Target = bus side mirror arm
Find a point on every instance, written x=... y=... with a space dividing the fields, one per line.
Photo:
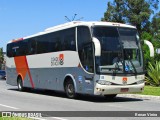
x=97 y=46
x=151 y=48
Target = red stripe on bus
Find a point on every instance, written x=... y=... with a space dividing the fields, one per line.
x=16 y=40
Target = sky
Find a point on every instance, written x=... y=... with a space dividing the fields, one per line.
x=21 y=18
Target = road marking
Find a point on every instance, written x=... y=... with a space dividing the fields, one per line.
x=8 y=106
x=58 y=118
x=35 y=118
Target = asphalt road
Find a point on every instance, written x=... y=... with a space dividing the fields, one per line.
x=37 y=100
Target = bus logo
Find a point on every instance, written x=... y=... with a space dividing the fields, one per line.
x=124 y=80
x=56 y=61
x=61 y=59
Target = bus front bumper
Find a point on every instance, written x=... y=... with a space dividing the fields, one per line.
x=117 y=89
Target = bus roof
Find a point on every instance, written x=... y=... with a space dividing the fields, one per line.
x=77 y=23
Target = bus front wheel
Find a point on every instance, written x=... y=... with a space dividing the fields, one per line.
x=70 y=89
x=20 y=84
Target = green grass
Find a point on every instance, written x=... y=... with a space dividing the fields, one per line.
x=150 y=90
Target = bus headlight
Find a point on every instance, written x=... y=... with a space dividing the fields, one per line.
x=103 y=82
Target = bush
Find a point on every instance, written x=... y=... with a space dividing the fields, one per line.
x=153 y=72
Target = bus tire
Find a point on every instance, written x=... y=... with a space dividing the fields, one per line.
x=110 y=97
x=20 y=84
x=70 y=89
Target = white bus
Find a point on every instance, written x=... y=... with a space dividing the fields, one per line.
x=96 y=58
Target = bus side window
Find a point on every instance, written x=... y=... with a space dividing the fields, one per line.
x=69 y=39
x=9 y=50
x=85 y=48
x=88 y=57
x=56 y=39
x=57 y=44
x=32 y=47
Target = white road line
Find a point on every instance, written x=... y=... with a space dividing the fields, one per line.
x=8 y=106
x=58 y=118
x=35 y=118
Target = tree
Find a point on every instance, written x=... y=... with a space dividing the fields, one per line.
x=155 y=31
x=155 y=26
x=1 y=57
x=135 y=12
x=114 y=12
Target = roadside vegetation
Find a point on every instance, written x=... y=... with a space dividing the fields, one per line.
x=153 y=74
x=1 y=57
x=152 y=79
x=150 y=90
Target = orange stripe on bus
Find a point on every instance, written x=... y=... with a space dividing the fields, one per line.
x=22 y=68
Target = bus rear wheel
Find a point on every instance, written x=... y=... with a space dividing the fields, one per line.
x=70 y=89
x=20 y=84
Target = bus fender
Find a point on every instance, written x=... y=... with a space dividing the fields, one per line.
x=20 y=75
x=73 y=79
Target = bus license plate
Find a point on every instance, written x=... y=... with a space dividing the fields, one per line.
x=124 y=89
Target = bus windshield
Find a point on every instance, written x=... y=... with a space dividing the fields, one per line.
x=120 y=49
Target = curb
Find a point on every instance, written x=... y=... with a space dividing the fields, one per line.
x=140 y=96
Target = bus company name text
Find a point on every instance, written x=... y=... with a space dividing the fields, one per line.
x=56 y=61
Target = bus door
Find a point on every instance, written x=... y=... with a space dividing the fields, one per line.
x=87 y=61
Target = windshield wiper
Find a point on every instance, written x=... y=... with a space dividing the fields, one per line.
x=116 y=68
x=133 y=66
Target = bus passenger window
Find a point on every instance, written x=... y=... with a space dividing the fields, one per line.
x=32 y=47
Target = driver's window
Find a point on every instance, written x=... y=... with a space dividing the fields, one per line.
x=85 y=48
